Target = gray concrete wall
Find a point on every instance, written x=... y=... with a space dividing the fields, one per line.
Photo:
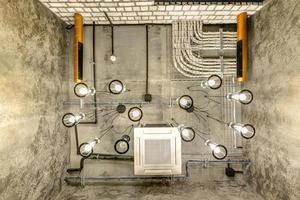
x=33 y=144
x=206 y=182
x=274 y=79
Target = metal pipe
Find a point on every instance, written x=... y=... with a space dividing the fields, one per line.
x=96 y=156
x=79 y=180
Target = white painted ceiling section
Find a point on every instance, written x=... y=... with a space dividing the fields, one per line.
x=141 y=12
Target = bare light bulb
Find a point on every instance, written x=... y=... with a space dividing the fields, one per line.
x=247 y=131
x=213 y=82
x=136 y=113
x=118 y=88
x=187 y=133
x=113 y=58
x=243 y=96
x=218 y=151
x=70 y=119
x=83 y=91
x=86 y=149
x=183 y=102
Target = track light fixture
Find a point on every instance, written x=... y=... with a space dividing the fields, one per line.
x=213 y=82
x=243 y=96
x=116 y=87
x=82 y=90
x=122 y=145
x=219 y=151
x=87 y=148
x=70 y=119
x=187 y=133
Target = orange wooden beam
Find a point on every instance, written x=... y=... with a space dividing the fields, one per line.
x=242 y=47
x=78 y=48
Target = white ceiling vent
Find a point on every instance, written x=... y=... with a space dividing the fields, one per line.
x=157 y=151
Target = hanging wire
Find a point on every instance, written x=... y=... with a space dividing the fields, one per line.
x=209 y=98
x=105 y=131
x=218 y=120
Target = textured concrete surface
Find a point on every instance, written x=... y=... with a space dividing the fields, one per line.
x=274 y=79
x=33 y=144
x=160 y=192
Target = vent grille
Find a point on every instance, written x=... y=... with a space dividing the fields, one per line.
x=157 y=152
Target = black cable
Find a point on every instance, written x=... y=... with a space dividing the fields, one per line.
x=147 y=60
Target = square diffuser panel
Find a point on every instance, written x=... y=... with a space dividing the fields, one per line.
x=157 y=151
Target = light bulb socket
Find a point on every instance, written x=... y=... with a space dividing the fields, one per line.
x=121 y=108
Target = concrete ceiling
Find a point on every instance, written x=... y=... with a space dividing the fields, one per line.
x=145 y=11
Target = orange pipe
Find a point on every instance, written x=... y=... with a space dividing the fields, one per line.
x=78 y=45
x=242 y=47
